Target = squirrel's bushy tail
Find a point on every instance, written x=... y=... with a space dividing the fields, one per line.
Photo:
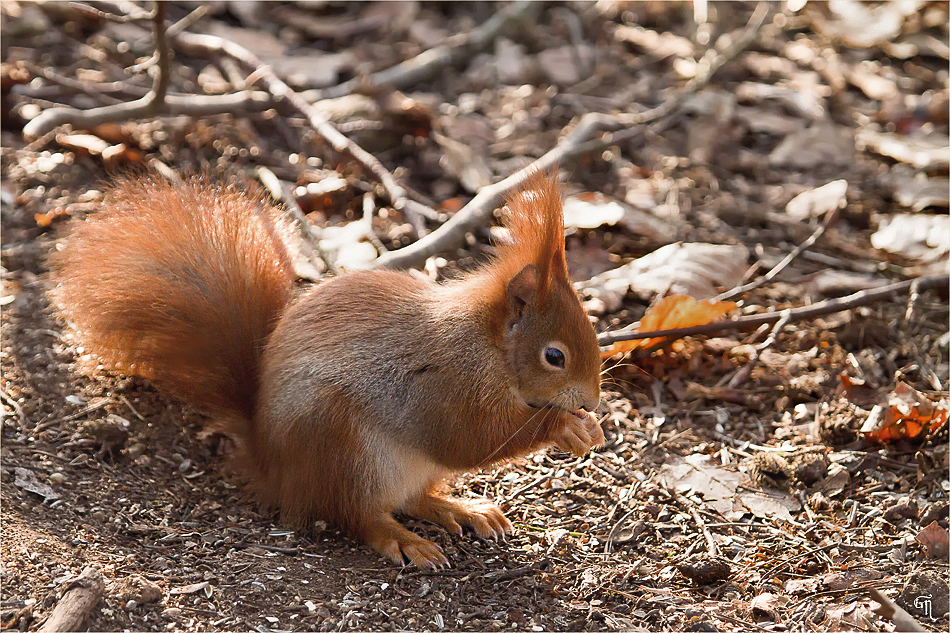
x=180 y=284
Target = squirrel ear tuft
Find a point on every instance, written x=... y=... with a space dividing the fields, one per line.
x=523 y=290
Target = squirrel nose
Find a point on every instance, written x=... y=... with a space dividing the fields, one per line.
x=591 y=402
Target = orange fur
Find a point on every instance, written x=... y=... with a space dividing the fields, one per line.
x=180 y=285
x=536 y=222
x=355 y=401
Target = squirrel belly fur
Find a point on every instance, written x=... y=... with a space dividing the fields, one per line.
x=358 y=398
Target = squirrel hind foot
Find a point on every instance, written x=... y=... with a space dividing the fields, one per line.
x=386 y=536
x=481 y=515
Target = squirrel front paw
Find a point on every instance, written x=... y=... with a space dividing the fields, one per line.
x=579 y=434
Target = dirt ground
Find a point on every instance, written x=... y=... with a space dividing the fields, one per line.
x=720 y=502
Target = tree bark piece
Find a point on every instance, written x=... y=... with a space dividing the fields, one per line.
x=79 y=598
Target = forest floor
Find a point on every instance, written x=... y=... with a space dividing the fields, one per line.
x=736 y=491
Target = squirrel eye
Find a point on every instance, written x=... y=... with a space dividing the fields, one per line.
x=554 y=357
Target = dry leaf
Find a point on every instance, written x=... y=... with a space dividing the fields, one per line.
x=566 y=65
x=347 y=245
x=935 y=541
x=464 y=162
x=821 y=144
x=842 y=580
x=802 y=585
x=916 y=191
x=188 y=589
x=27 y=479
x=696 y=269
x=316 y=69
x=861 y=24
x=816 y=202
x=914 y=236
x=673 y=312
x=43 y=220
x=908 y=414
x=766 y=606
x=930 y=152
x=720 y=489
x=848 y=617
x=591 y=210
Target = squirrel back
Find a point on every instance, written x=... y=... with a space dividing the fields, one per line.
x=180 y=284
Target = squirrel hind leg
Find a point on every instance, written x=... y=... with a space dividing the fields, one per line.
x=384 y=534
x=481 y=515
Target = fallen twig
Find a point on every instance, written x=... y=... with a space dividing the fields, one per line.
x=711 y=546
x=728 y=295
x=455 y=49
x=311 y=243
x=708 y=66
x=746 y=370
x=830 y=306
x=79 y=598
x=615 y=530
x=155 y=103
x=95 y=406
x=580 y=141
x=212 y=44
x=287 y=551
x=21 y=415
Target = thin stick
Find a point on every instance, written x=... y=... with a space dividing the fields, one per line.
x=211 y=44
x=746 y=370
x=577 y=143
x=156 y=102
x=709 y=66
x=830 y=306
x=455 y=49
x=16 y=407
x=711 y=546
x=911 y=312
x=830 y=219
x=609 y=545
x=311 y=243
x=164 y=54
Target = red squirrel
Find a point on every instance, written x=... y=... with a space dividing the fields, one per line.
x=358 y=398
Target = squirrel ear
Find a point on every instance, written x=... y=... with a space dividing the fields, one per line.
x=522 y=291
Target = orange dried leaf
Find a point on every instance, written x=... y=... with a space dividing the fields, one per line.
x=671 y=312
x=43 y=220
x=908 y=414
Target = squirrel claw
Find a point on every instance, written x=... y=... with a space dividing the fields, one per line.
x=398 y=544
x=482 y=516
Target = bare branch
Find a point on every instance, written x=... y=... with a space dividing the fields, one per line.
x=425 y=64
x=156 y=102
x=746 y=370
x=164 y=53
x=830 y=306
x=830 y=219
x=197 y=105
x=577 y=143
x=211 y=44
